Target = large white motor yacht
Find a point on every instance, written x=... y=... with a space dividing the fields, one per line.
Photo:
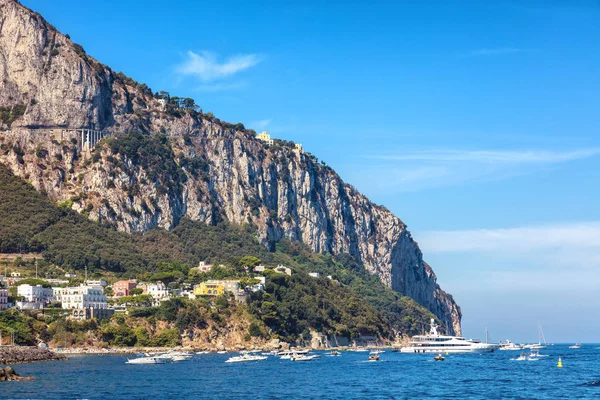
x=436 y=343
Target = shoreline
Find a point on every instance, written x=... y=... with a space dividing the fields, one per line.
x=136 y=350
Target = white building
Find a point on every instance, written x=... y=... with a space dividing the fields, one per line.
x=258 y=286
x=265 y=137
x=259 y=268
x=157 y=290
x=314 y=274
x=204 y=267
x=35 y=294
x=81 y=297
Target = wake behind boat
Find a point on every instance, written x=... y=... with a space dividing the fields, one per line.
x=436 y=343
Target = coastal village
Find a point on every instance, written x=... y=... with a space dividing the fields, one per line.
x=99 y=299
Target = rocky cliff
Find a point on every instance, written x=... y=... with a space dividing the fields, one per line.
x=181 y=162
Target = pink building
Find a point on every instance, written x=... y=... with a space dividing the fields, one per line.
x=123 y=288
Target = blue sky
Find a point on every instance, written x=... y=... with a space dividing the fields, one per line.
x=476 y=122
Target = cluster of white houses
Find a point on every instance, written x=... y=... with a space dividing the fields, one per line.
x=89 y=300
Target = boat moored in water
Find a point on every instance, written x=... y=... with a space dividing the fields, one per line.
x=246 y=357
x=147 y=360
x=508 y=346
x=304 y=357
x=434 y=342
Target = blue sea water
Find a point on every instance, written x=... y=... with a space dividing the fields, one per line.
x=350 y=376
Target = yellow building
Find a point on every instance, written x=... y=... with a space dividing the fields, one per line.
x=265 y=137
x=210 y=288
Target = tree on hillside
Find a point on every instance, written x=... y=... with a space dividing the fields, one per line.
x=249 y=262
x=34 y=282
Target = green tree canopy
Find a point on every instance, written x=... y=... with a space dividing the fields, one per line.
x=34 y=282
x=249 y=261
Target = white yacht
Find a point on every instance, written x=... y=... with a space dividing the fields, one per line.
x=436 y=343
x=246 y=357
x=508 y=345
x=576 y=346
x=147 y=360
x=288 y=354
x=304 y=357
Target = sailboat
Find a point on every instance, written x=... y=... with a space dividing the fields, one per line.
x=541 y=344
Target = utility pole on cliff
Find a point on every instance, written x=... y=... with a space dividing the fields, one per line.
x=36 y=269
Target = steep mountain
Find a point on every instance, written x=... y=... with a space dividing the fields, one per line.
x=175 y=162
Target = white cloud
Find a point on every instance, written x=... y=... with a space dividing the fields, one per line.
x=527 y=239
x=207 y=67
x=493 y=156
x=536 y=262
x=446 y=167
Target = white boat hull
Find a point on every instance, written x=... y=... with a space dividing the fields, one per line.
x=305 y=358
x=147 y=360
x=441 y=349
x=246 y=359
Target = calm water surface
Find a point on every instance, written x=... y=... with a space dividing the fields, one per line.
x=396 y=376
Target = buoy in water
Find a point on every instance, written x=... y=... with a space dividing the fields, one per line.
x=559 y=365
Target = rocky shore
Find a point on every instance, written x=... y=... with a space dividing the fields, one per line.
x=9 y=374
x=23 y=354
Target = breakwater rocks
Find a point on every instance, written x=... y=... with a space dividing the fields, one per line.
x=9 y=374
x=23 y=354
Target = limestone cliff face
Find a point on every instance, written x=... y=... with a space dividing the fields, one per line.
x=205 y=170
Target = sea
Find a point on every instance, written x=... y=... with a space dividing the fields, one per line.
x=350 y=376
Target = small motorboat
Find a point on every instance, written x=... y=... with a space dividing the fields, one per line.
x=147 y=360
x=246 y=357
x=374 y=357
x=575 y=346
x=334 y=353
x=439 y=357
x=303 y=357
